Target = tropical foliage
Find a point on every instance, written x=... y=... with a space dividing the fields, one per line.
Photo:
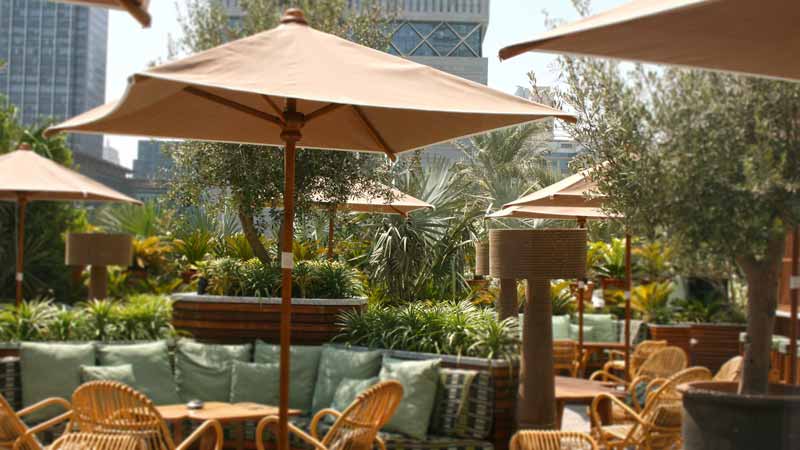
x=141 y=317
x=449 y=328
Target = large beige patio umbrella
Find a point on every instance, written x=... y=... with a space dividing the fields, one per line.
x=136 y=8
x=571 y=199
x=294 y=84
x=396 y=202
x=746 y=36
x=25 y=177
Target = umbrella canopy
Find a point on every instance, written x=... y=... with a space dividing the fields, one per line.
x=579 y=213
x=294 y=85
x=753 y=37
x=25 y=176
x=397 y=203
x=572 y=191
x=24 y=173
x=136 y=8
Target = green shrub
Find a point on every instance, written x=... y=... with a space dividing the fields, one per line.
x=310 y=279
x=450 y=328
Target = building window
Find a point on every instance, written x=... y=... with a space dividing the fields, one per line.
x=418 y=38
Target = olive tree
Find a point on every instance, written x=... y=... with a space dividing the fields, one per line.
x=706 y=160
x=250 y=177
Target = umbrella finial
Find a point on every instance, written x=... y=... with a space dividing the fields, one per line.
x=24 y=146
x=294 y=15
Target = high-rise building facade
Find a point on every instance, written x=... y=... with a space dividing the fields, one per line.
x=444 y=34
x=55 y=62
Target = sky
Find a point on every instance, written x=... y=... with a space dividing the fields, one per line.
x=132 y=48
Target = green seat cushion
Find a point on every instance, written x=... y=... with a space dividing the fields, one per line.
x=203 y=371
x=303 y=365
x=51 y=370
x=605 y=327
x=122 y=373
x=152 y=369
x=588 y=333
x=464 y=404
x=254 y=382
x=420 y=380
x=560 y=327
x=336 y=364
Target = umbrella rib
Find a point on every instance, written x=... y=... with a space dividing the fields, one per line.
x=234 y=105
x=134 y=8
x=330 y=107
x=275 y=108
x=374 y=133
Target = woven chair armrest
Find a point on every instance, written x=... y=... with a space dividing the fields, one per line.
x=605 y=376
x=47 y=424
x=636 y=382
x=380 y=442
x=614 y=354
x=318 y=417
x=595 y=414
x=198 y=433
x=293 y=429
x=52 y=401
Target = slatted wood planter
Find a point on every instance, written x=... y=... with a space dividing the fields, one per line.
x=712 y=344
x=220 y=319
x=677 y=335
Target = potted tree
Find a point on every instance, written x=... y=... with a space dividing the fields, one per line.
x=709 y=162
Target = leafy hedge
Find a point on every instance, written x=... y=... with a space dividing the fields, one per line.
x=141 y=317
x=448 y=328
x=310 y=279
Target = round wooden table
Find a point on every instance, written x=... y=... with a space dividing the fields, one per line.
x=582 y=392
x=235 y=414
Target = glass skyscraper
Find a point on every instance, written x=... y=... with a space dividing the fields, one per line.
x=55 y=62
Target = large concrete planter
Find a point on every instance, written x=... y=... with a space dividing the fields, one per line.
x=717 y=418
x=223 y=319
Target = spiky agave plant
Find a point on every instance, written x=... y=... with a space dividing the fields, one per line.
x=27 y=322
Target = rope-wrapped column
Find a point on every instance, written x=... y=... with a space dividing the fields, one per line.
x=537 y=256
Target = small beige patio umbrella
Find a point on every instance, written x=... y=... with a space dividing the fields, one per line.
x=136 y=8
x=295 y=84
x=25 y=177
x=746 y=36
x=396 y=202
x=571 y=198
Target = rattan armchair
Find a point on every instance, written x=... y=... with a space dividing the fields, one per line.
x=658 y=425
x=731 y=370
x=93 y=441
x=355 y=428
x=616 y=358
x=16 y=435
x=552 y=440
x=110 y=407
x=566 y=357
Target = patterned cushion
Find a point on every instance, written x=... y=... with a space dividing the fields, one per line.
x=464 y=405
x=400 y=442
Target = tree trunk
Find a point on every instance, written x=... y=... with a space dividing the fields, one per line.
x=253 y=237
x=763 y=277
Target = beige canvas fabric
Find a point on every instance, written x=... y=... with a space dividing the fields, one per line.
x=396 y=203
x=756 y=37
x=23 y=172
x=551 y=212
x=136 y=8
x=573 y=191
x=353 y=97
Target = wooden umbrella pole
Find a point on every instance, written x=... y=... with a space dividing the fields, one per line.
x=22 y=202
x=793 y=294
x=581 y=290
x=627 y=303
x=290 y=135
x=330 y=232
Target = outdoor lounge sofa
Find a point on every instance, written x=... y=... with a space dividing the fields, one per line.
x=461 y=417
